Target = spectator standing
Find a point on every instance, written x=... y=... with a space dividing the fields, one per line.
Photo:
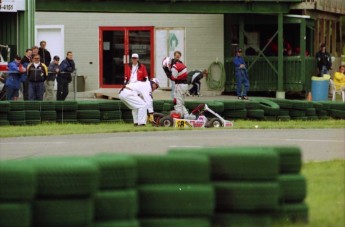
x=324 y=61
x=53 y=71
x=34 y=52
x=26 y=60
x=194 y=78
x=138 y=97
x=67 y=67
x=37 y=74
x=44 y=53
x=177 y=57
x=135 y=71
x=15 y=77
x=241 y=76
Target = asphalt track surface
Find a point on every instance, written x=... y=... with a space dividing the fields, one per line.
x=316 y=144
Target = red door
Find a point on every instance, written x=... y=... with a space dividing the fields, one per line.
x=116 y=45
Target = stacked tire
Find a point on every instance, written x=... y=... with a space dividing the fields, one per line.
x=110 y=111
x=234 y=109
x=66 y=111
x=32 y=112
x=48 y=112
x=174 y=191
x=271 y=109
x=245 y=181
x=4 y=109
x=88 y=112
x=16 y=115
x=116 y=201
x=65 y=190
x=17 y=191
x=335 y=110
x=293 y=185
x=254 y=110
x=126 y=113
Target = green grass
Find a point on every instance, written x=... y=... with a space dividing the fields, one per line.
x=46 y=129
x=325 y=194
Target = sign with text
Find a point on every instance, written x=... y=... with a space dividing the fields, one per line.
x=8 y=6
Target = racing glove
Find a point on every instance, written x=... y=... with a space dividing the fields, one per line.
x=151 y=119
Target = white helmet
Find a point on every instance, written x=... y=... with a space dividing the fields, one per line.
x=156 y=81
x=166 y=62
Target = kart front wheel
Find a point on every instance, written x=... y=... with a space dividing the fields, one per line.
x=215 y=123
x=166 y=121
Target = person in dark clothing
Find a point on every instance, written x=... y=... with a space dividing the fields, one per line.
x=44 y=53
x=324 y=61
x=241 y=76
x=26 y=60
x=194 y=78
x=14 y=79
x=67 y=67
x=53 y=70
x=37 y=73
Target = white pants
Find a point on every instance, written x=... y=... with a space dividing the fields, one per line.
x=136 y=104
x=179 y=95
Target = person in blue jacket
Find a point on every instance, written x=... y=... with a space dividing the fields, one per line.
x=15 y=78
x=241 y=75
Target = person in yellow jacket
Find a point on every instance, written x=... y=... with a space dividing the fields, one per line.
x=339 y=78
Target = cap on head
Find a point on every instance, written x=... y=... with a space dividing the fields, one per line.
x=239 y=50
x=56 y=57
x=17 y=57
x=323 y=45
x=156 y=81
x=135 y=55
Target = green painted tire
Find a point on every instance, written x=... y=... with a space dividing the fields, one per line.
x=32 y=105
x=293 y=187
x=66 y=106
x=88 y=105
x=65 y=176
x=17 y=180
x=242 y=219
x=15 y=214
x=63 y=212
x=246 y=196
x=115 y=205
x=293 y=212
x=109 y=105
x=290 y=159
x=5 y=107
x=238 y=163
x=116 y=171
x=233 y=105
x=17 y=105
x=176 y=200
x=126 y=223
x=175 y=222
x=154 y=169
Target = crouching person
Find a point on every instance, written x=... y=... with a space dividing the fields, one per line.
x=138 y=97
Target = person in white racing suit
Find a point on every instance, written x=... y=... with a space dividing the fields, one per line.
x=138 y=97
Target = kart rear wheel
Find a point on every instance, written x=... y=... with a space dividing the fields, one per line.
x=157 y=117
x=215 y=123
x=166 y=121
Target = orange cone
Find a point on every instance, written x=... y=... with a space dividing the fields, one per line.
x=309 y=98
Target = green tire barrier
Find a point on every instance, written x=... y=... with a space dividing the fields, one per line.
x=310 y=112
x=237 y=114
x=65 y=176
x=5 y=107
x=109 y=105
x=300 y=118
x=88 y=105
x=16 y=115
x=241 y=219
x=283 y=118
x=63 y=212
x=290 y=159
x=283 y=103
x=32 y=115
x=111 y=115
x=301 y=105
x=256 y=114
x=17 y=105
x=246 y=196
x=270 y=108
x=175 y=200
x=48 y=105
x=32 y=105
x=48 y=115
x=66 y=105
x=175 y=222
x=158 y=105
x=293 y=187
x=172 y=169
x=297 y=113
x=116 y=171
x=337 y=114
x=88 y=114
x=17 y=180
x=66 y=116
x=4 y=122
x=3 y=116
x=233 y=105
x=238 y=163
x=129 y=223
x=293 y=212
x=115 y=205
x=318 y=106
x=250 y=105
x=270 y=118
x=15 y=214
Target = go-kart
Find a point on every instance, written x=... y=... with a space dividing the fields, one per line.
x=196 y=119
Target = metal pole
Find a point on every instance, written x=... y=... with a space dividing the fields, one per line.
x=75 y=84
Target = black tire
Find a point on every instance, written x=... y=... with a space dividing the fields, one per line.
x=172 y=169
x=157 y=117
x=115 y=205
x=166 y=121
x=215 y=123
x=176 y=200
x=63 y=212
x=15 y=214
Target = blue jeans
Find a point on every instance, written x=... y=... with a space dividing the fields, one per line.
x=242 y=79
x=11 y=93
x=324 y=70
x=36 y=90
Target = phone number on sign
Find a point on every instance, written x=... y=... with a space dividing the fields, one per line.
x=6 y=7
